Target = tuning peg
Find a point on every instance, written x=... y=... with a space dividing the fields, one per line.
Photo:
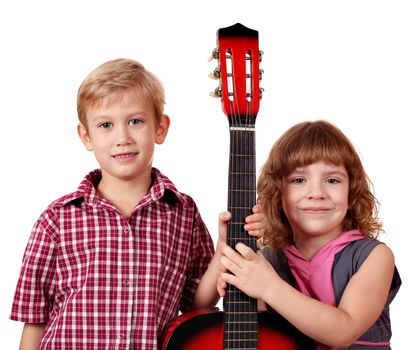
x=215 y=55
x=216 y=74
x=261 y=71
x=261 y=92
x=216 y=93
x=260 y=55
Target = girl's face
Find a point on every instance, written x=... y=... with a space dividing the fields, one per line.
x=315 y=200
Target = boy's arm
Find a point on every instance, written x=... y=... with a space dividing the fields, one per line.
x=35 y=286
x=207 y=293
x=31 y=336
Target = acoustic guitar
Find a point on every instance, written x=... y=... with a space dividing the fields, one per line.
x=239 y=326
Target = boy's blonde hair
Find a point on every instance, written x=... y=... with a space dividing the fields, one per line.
x=304 y=144
x=113 y=77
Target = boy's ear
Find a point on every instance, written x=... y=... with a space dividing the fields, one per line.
x=84 y=136
x=162 y=129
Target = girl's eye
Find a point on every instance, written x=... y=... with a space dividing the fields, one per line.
x=105 y=125
x=298 y=180
x=134 y=122
x=332 y=181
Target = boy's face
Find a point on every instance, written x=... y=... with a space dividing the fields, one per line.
x=315 y=200
x=122 y=134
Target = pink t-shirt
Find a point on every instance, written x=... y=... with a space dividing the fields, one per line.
x=314 y=277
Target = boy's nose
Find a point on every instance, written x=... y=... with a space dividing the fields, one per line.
x=122 y=137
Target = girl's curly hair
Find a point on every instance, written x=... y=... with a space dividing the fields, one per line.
x=304 y=144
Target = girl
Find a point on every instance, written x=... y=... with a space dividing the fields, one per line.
x=324 y=271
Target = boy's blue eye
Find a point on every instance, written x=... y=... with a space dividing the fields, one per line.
x=105 y=125
x=134 y=122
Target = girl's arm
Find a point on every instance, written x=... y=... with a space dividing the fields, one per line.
x=31 y=336
x=361 y=304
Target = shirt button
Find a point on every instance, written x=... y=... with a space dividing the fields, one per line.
x=126 y=230
x=122 y=336
x=125 y=282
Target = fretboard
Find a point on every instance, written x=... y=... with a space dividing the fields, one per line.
x=240 y=309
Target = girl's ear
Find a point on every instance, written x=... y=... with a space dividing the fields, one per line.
x=84 y=136
x=162 y=129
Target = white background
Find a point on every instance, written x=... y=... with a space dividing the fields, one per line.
x=345 y=61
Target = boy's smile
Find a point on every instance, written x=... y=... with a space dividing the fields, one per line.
x=125 y=156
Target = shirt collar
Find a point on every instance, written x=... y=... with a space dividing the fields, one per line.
x=161 y=187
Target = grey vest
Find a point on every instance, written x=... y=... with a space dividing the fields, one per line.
x=347 y=262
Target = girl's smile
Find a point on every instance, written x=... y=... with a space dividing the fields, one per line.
x=315 y=210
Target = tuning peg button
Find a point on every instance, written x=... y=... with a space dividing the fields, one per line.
x=216 y=74
x=260 y=55
x=216 y=93
x=215 y=55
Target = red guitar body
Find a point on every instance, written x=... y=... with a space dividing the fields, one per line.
x=240 y=326
x=204 y=330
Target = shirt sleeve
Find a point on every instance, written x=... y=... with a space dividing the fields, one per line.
x=33 y=297
x=201 y=252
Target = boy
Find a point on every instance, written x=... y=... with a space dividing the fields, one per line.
x=108 y=266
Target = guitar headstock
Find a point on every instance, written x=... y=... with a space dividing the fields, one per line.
x=238 y=71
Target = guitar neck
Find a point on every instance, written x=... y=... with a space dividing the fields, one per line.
x=239 y=75
x=241 y=183
x=240 y=309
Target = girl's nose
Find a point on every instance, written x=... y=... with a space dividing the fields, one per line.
x=316 y=190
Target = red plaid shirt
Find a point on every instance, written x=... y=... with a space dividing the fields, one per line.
x=101 y=281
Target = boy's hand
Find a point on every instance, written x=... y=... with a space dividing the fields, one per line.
x=256 y=222
x=224 y=217
x=221 y=285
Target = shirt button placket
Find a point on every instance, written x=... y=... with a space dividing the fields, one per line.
x=126 y=283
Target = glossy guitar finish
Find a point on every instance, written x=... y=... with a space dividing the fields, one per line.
x=204 y=330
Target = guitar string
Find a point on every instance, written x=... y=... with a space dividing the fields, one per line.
x=236 y=294
x=229 y=315
x=234 y=157
x=248 y=194
x=235 y=176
